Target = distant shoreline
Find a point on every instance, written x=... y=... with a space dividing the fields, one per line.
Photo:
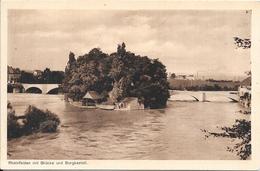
x=203 y=85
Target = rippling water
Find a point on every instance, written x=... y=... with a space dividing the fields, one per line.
x=171 y=133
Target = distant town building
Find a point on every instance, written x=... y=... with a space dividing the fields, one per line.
x=13 y=74
x=184 y=77
x=37 y=73
x=190 y=77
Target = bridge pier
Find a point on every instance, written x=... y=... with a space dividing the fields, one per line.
x=16 y=90
x=209 y=96
x=204 y=97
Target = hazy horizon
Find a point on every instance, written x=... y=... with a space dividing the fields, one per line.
x=185 y=41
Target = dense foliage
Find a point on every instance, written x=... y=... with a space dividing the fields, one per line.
x=42 y=77
x=34 y=120
x=121 y=74
x=37 y=119
x=240 y=130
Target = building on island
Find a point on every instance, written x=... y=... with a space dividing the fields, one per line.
x=92 y=98
x=129 y=103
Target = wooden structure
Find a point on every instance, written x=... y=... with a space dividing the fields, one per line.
x=92 y=98
x=129 y=103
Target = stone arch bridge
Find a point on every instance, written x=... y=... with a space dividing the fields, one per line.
x=41 y=88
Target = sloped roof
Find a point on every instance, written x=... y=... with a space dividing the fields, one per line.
x=93 y=95
x=12 y=70
x=246 y=82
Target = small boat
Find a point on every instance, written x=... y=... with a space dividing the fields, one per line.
x=79 y=105
x=105 y=107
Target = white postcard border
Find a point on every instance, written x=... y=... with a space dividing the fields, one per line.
x=134 y=5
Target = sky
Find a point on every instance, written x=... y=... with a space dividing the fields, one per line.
x=185 y=41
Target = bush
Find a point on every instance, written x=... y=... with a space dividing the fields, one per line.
x=13 y=128
x=34 y=120
x=35 y=117
x=49 y=126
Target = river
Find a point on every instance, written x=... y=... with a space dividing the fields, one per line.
x=173 y=133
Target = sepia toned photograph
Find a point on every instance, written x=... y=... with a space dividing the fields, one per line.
x=129 y=84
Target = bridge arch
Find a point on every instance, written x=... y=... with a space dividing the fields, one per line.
x=45 y=88
x=34 y=90
x=196 y=99
x=204 y=96
x=53 y=91
x=183 y=97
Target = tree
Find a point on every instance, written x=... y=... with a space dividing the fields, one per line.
x=47 y=75
x=248 y=73
x=71 y=57
x=27 y=77
x=121 y=73
x=240 y=130
x=121 y=50
x=71 y=65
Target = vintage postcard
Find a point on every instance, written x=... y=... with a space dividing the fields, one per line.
x=130 y=85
